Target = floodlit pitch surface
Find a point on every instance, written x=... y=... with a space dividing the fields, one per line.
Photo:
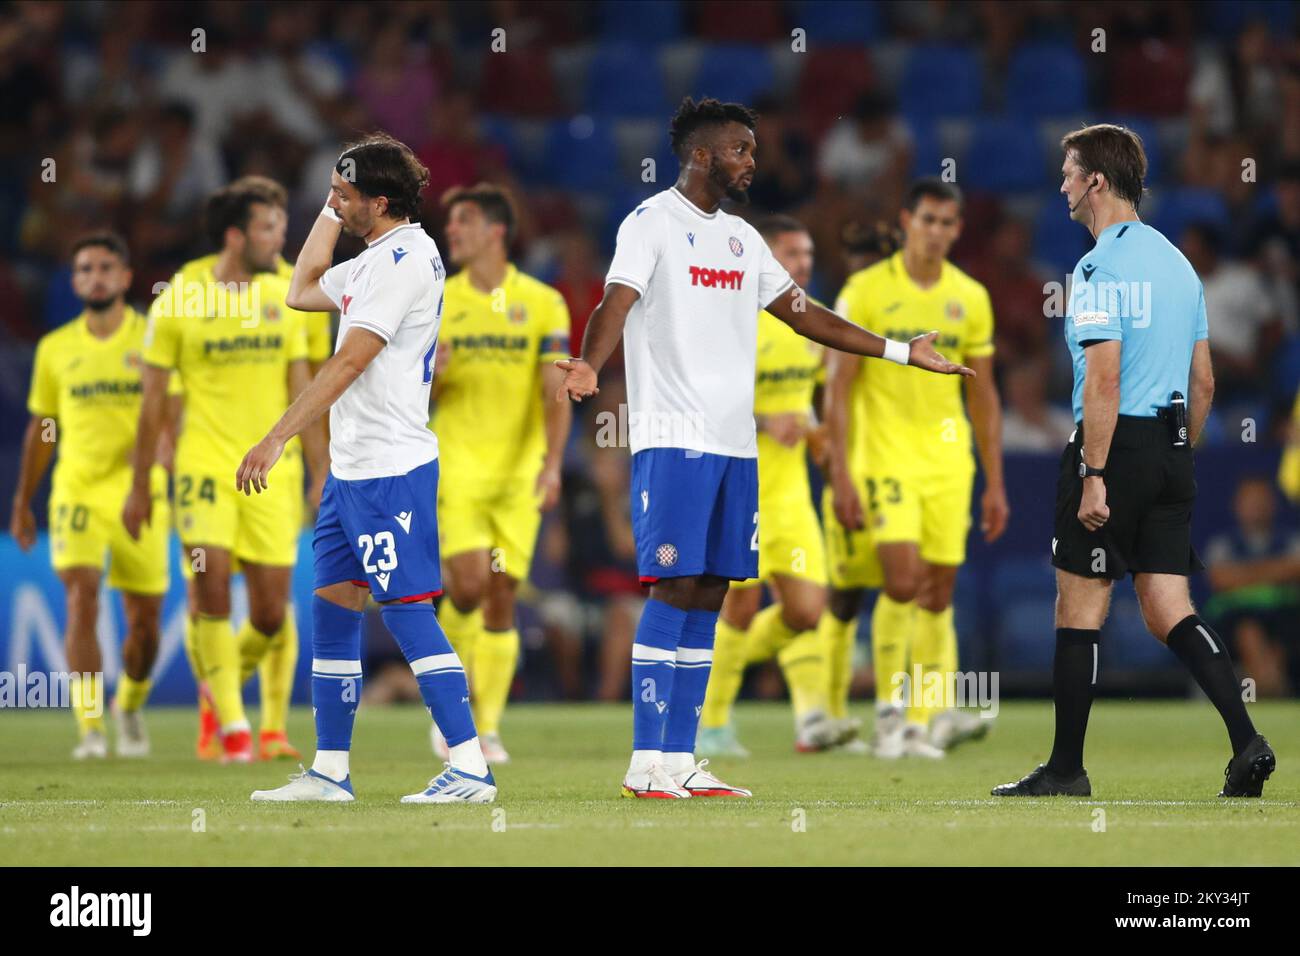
x=1155 y=768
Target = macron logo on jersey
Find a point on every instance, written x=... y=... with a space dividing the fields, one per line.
x=404 y=519
x=717 y=278
x=397 y=255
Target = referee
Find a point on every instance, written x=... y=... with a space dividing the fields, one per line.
x=1137 y=333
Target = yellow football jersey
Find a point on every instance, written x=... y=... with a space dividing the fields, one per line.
x=320 y=335
x=1288 y=474
x=91 y=387
x=788 y=369
x=488 y=415
x=232 y=350
x=912 y=420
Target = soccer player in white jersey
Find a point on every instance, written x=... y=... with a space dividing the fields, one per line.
x=684 y=291
x=378 y=526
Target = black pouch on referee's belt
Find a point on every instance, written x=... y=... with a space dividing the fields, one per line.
x=1174 y=415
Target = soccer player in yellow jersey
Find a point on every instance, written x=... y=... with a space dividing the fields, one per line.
x=901 y=469
x=242 y=357
x=84 y=400
x=275 y=661
x=501 y=438
x=792 y=557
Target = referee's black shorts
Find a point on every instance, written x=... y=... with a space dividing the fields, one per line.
x=1149 y=489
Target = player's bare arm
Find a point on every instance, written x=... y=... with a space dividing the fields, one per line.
x=153 y=409
x=1201 y=389
x=314 y=260
x=841 y=369
x=32 y=464
x=796 y=309
x=604 y=330
x=171 y=430
x=315 y=445
x=986 y=421
x=1100 y=412
x=343 y=368
x=558 y=418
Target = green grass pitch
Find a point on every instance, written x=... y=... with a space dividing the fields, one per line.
x=1155 y=767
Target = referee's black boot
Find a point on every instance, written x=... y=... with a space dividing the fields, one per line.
x=1245 y=774
x=1042 y=782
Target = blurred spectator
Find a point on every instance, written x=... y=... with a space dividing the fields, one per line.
x=1243 y=322
x=298 y=88
x=1006 y=268
x=785 y=177
x=397 y=86
x=106 y=76
x=1255 y=573
x=1276 y=243
x=215 y=82
x=454 y=152
x=869 y=152
x=1029 y=422
x=582 y=283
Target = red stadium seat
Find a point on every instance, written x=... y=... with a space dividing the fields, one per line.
x=1151 y=79
x=831 y=83
x=518 y=83
x=757 y=21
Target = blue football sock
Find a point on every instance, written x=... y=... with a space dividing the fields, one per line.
x=437 y=669
x=335 y=672
x=654 y=660
x=694 y=661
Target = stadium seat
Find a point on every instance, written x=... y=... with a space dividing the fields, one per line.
x=941 y=80
x=1225 y=18
x=1151 y=144
x=581 y=155
x=1046 y=79
x=733 y=73
x=927 y=153
x=1026 y=634
x=519 y=84
x=837 y=21
x=1023 y=577
x=1178 y=208
x=1150 y=78
x=1059 y=241
x=625 y=80
x=760 y=22
x=1004 y=156
x=831 y=82
x=658 y=22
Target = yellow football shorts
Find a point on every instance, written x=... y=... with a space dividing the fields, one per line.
x=789 y=538
x=86 y=527
x=850 y=554
x=933 y=510
x=501 y=519
x=258 y=528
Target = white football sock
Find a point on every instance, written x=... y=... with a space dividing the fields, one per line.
x=332 y=764
x=678 y=763
x=643 y=760
x=468 y=757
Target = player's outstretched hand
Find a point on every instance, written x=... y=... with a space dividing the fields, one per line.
x=253 y=470
x=137 y=511
x=579 y=380
x=22 y=525
x=923 y=355
x=548 y=488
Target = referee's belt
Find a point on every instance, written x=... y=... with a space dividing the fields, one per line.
x=1137 y=430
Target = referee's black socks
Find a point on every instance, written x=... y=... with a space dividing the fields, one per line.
x=1203 y=653
x=1074 y=677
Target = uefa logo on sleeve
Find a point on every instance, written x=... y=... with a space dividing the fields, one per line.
x=666 y=555
x=737 y=249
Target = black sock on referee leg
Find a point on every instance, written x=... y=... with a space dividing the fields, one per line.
x=1203 y=653
x=1074 y=676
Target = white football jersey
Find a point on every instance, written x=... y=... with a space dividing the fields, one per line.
x=379 y=427
x=690 y=341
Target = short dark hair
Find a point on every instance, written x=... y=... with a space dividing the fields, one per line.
x=495 y=201
x=882 y=239
x=769 y=227
x=1115 y=152
x=102 y=239
x=233 y=205
x=691 y=117
x=931 y=187
x=379 y=165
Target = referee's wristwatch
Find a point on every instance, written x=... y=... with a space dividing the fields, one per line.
x=1086 y=472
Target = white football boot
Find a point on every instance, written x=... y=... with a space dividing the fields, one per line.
x=887 y=741
x=308 y=786
x=456 y=786
x=698 y=782
x=815 y=732
x=653 y=783
x=132 y=740
x=93 y=746
x=916 y=743
x=952 y=727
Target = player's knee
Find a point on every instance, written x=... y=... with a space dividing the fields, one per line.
x=267 y=621
x=804 y=615
x=902 y=589
x=467 y=592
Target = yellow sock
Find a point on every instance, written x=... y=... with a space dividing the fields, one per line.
x=838 y=637
x=804 y=663
x=768 y=634
x=87 y=697
x=726 y=675
x=930 y=654
x=948 y=651
x=192 y=650
x=891 y=638
x=495 y=658
x=132 y=693
x=463 y=630
x=275 y=674
x=216 y=642
x=253 y=645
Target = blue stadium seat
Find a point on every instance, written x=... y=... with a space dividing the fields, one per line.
x=1225 y=18
x=927 y=153
x=1179 y=208
x=1150 y=144
x=1004 y=156
x=941 y=80
x=1023 y=577
x=1026 y=634
x=837 y=21
x=658 y=22
x=626 y=80
x=1046 y=79
x=1059 y=241
x=580 y=155
x=733 y=73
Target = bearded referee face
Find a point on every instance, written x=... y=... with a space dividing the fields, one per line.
x=731 y=161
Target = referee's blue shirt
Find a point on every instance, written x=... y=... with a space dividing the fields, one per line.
x=1137 y=288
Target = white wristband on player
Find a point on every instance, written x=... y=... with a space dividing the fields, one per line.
x=330 y=214
x=895 y=351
